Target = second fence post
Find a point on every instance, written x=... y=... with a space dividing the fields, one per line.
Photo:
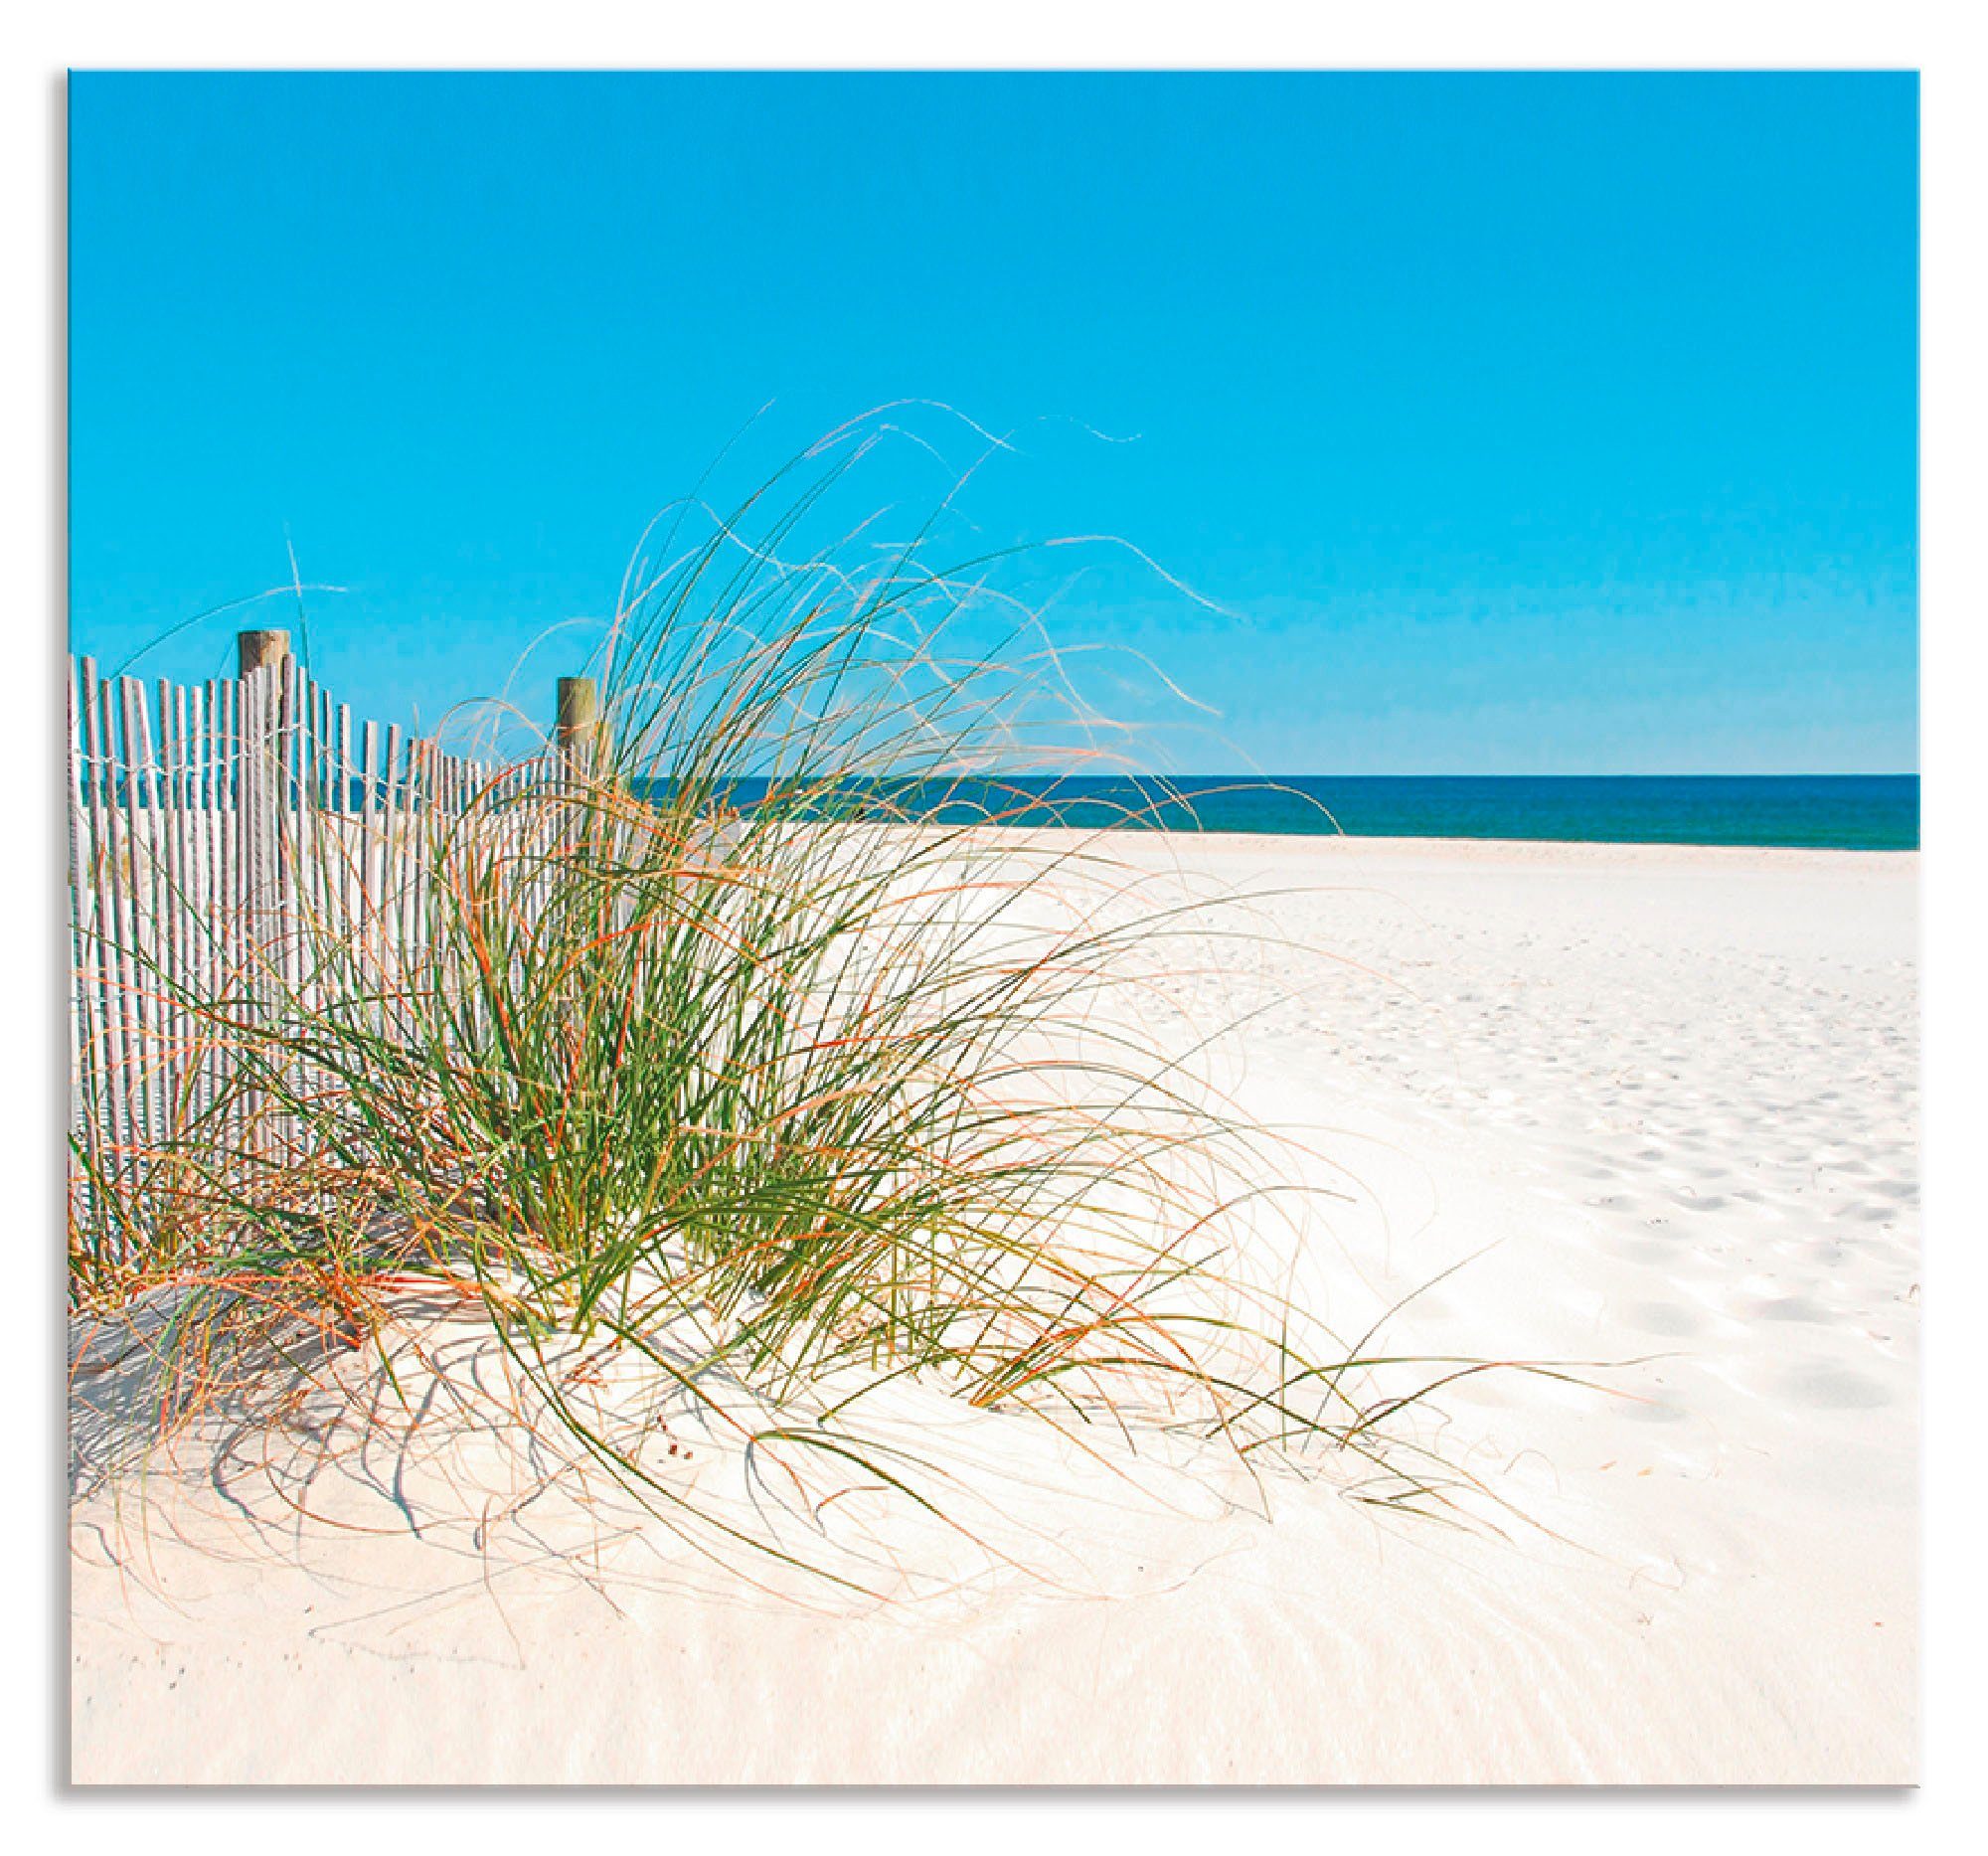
x=579 y=731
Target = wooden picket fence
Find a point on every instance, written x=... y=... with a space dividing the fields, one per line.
x=217 y=834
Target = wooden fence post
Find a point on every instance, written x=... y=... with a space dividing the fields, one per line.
x=582 y=739
x=259 y=648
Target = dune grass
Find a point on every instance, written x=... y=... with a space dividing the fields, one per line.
x=746 y=1042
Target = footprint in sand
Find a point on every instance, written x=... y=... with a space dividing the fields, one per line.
x=1832 y=1388
x=1654 y=1411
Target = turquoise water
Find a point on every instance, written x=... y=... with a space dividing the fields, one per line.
x=1865 y=812
x=1835 y=811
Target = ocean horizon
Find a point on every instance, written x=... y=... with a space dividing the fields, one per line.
x=1818 y=811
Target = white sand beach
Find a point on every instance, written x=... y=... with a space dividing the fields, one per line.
x=1664 y=1100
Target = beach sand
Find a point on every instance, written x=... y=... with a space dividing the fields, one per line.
x=1664 y=1099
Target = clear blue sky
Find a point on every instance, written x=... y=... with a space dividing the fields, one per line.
x=1530 y=423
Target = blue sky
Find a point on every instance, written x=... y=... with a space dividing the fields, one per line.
x=1560 y=424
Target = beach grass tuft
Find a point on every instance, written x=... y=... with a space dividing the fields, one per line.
x=738 y=1037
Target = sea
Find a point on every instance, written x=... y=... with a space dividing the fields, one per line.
x=1827 y=812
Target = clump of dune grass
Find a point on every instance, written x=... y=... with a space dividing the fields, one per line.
x=742 y=1041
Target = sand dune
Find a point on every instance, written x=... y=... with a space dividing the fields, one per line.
x=1665 y=1102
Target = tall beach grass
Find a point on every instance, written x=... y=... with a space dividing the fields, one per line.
x=783 y=1101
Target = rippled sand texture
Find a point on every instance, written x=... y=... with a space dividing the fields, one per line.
x=1667 y=1100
